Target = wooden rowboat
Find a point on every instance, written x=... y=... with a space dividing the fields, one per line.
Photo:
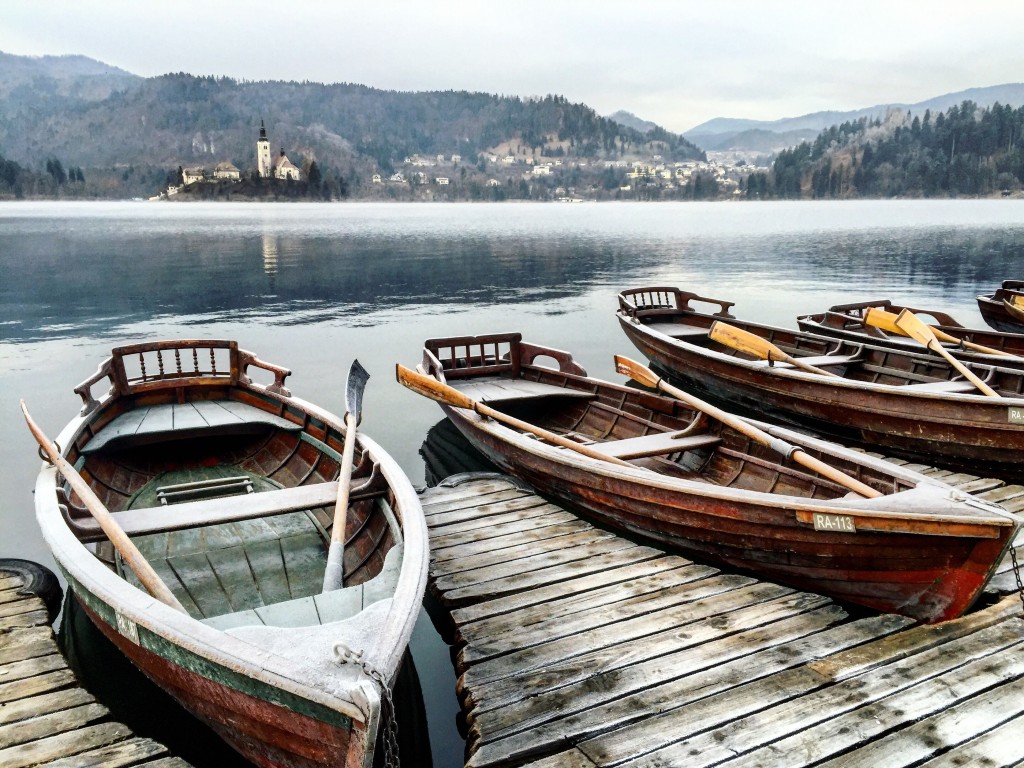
x=902 y=403
x=691 y=482
x=847 y=321
x=998 y=309
x=227 y=488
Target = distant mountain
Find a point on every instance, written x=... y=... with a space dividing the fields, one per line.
x=724 y=133
x=75 y=78
x=630 y=120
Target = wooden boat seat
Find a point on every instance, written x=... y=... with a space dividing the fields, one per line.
x=157 y=422
x=678 y=331
x=819 y=361
x=337 y=605
x=953 y=387
x=653 y=444
x=224 y=509
x=494 y=388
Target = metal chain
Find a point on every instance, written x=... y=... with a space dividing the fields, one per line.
x=388 y=716
x=1016 y=575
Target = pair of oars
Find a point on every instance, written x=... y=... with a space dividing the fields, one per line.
x=889 y=322
x=435 y=390
x=907 y=322
x=134 y=559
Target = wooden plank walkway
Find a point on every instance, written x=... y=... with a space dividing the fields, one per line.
x=575 y=647
x=45 y=717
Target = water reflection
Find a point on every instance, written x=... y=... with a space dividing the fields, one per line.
x=270 y=256
x=92 y=274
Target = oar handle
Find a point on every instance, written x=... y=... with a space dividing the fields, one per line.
x=334 y=573
x=125 y=546
x=964 y=370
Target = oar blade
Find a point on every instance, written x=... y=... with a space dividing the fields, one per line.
x=634 y=370
x=882 y=319
x=915 y=328
x=357 y=378
x=745 y=341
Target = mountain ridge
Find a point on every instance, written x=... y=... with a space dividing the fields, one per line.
x=721 y=133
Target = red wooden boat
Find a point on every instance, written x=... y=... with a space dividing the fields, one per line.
x=846 y=321
x=995 y=310
x=695 y=484
x=903 y=403
x=227 y=489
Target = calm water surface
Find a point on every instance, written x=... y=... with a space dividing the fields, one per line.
x=310 y=286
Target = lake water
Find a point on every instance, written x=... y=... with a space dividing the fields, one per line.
x=311 y=286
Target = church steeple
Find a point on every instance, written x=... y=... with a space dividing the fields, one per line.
x=263 y=153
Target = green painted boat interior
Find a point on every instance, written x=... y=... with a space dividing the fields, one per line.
x=220 y=569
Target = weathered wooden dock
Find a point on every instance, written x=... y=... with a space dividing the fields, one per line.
x=577 y=647
x=45 y=717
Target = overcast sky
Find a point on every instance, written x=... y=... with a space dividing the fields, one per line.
x=676 y=63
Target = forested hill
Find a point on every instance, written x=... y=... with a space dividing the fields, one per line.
x=154 y=124
x=963 y=151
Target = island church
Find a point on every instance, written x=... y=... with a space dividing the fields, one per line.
x=279 y=167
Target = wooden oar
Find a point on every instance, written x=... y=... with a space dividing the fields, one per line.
x=334 y=574
x=919 y=331
x=124 y=545
x=649 y=378
x=880 y=318
x=435 y=390
x=751 y=344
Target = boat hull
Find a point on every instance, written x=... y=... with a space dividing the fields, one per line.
x=967 y=433
x=265 y=733
x=931 y=578
x=995 y=314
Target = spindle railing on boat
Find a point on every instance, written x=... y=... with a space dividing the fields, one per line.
x=661 y=300
x=492 y=354
x=158 y=365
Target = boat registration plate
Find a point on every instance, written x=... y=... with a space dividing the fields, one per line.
x=1016 y=416
x=838 y=523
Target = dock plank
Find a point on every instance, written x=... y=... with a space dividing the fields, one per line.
x=45 y=716
x=540 y=598
x=63 y=745
x=581 y=551
x=949 y=727
x=999 y=746
x=51 y=724
x=135 y=751
x=43 y=704
x=965 y=665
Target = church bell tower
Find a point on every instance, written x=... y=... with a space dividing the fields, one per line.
x=263 y=153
